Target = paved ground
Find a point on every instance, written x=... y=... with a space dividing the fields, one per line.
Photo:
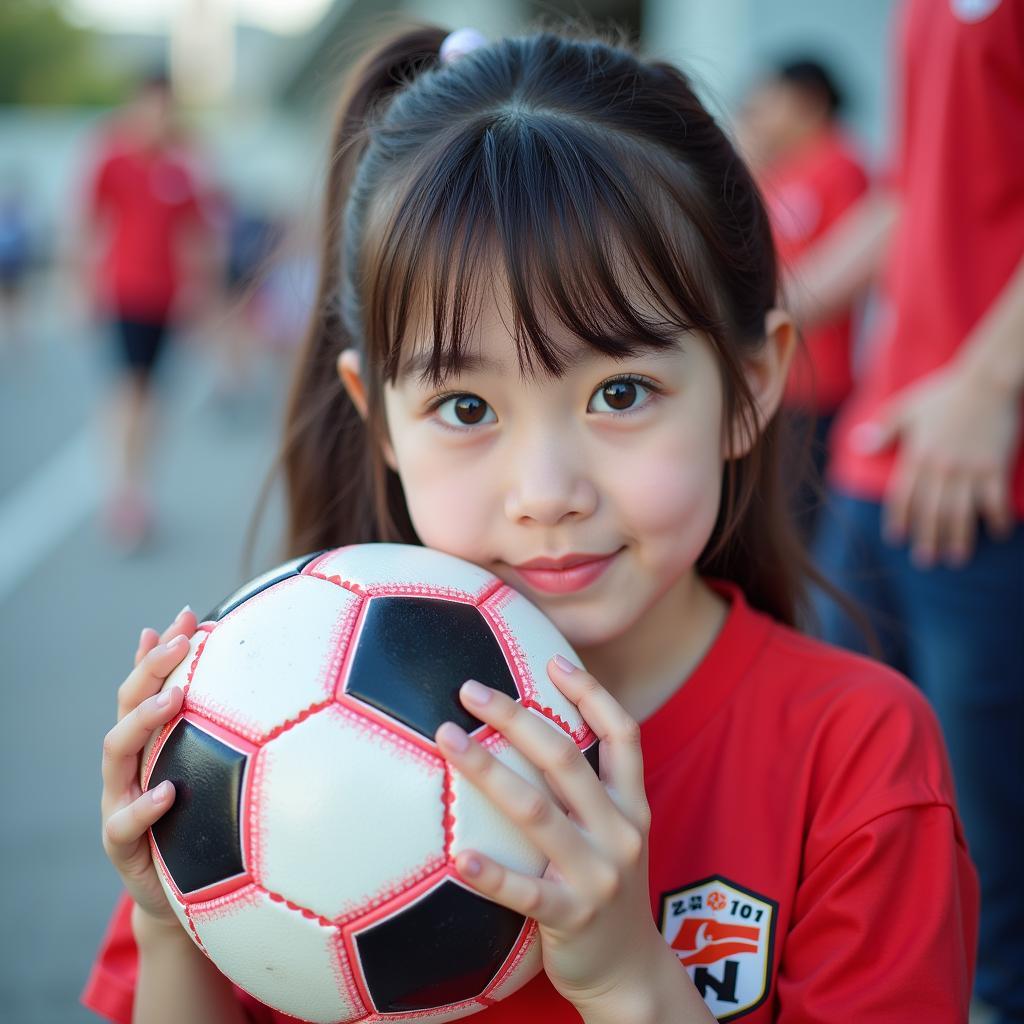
x=70 y=613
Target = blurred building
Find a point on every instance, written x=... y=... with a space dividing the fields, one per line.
x=263 y=111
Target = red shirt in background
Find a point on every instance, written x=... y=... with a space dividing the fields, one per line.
x=806 y=193
x=807 y=862
x=959 y=172
x=148 y=199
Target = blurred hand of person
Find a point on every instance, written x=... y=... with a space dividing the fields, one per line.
x=143 y=707
x=957 y=438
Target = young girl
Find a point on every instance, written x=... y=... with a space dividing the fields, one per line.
x=548 y=290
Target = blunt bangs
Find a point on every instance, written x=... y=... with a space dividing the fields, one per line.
x=528 y=201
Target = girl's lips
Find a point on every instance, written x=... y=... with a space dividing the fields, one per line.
x=566 y=581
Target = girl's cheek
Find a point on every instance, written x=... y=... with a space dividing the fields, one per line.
x=673 y=501
x=447 y=501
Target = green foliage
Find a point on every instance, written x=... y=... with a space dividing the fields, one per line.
x=45 y=59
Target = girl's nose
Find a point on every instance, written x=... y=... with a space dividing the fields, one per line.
x=548 y=484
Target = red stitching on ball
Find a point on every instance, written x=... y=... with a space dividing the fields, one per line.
x=301 y=717
x=581 y=736
x=192 y=926
x=379 y=730
x=432 y=866
x=311 y=915
x=448 y=818
x=257 y=841
x=489 y=591
x=350 y=585
x=517 y=660
x=195 y=660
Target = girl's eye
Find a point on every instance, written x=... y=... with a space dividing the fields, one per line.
x=459 y=411
x=468 y=410
x=620 y=394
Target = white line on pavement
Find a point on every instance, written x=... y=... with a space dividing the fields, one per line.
x=40 y=513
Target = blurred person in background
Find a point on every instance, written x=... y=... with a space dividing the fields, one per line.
x=15 y=260
x=149 y=249
x=252 y=239
x=925 y=522
x=810 y=175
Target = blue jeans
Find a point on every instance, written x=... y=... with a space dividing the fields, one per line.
x=959 y=635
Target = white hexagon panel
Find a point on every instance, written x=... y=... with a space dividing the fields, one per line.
x=287 y=959
x=274 y=656
x=325 y=786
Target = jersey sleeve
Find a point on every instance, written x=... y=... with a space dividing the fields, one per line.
x=884 y=927
x=885 y=915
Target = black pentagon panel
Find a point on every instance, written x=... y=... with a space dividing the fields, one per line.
x=281 y=572
x=593 y=757
x=413 y=655
x=442 y=949
x=199 y=836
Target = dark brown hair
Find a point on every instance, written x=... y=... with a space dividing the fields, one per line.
x=605 y=194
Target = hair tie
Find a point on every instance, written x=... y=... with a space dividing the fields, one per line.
x=460 y=42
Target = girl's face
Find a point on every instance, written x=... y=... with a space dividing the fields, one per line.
x=620 y=457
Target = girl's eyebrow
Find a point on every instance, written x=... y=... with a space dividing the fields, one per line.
x=419 y=364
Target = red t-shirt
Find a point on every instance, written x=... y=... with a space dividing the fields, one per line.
x=958 y=167
x=149 y=198
x=806 y=859
x=806 y=193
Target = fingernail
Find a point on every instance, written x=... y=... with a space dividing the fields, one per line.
x=161 y=793
x=471 y=867
x=475 y=693
x=187 y=608
x=564 y=664
x=163 y=698
x=176 y=641
x=142 y=635
x=451 y=736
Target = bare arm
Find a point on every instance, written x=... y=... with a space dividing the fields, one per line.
x=663 y=994
x=841 y=265
x=176 y=981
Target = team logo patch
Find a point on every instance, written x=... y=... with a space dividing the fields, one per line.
x=723 y=935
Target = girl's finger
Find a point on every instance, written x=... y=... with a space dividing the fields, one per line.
x=150 y=674
x=994 y=501
x=622 y=763
x=148 y=639
x=555 y=754
x=123 y=744
x=184 y=622
x=957 y=542
x=898 y=500
x=126 y=826
x=929 y=515
x=534 y=812
x=533 y=897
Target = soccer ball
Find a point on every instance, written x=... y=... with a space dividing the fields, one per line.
x=310 y=849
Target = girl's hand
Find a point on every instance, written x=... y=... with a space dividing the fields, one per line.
x=592 y=903
x=956 y=444
x=126 y=812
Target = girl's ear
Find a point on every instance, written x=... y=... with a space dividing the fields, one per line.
x=766 y=372
x=350 y=373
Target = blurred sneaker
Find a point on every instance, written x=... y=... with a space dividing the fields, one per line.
x=128 y=520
